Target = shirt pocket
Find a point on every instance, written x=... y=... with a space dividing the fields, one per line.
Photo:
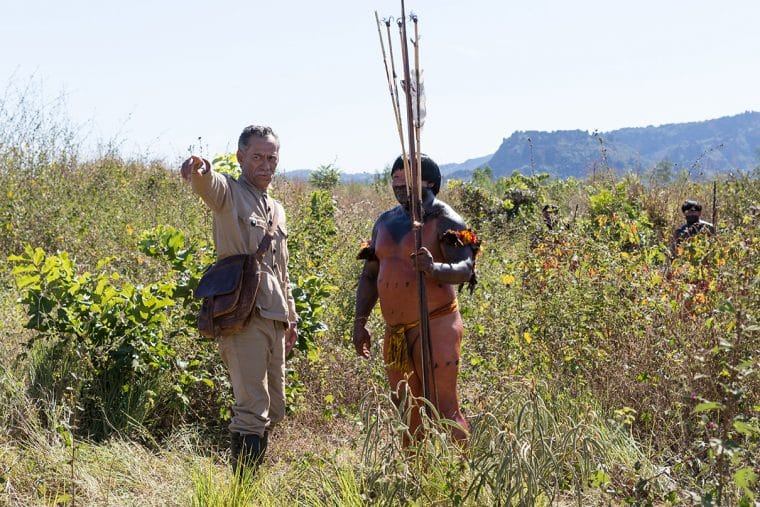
x=257 y=227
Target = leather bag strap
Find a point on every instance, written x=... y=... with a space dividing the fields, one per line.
x=266 y=241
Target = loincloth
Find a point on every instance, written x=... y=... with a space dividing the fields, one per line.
x=398 y=354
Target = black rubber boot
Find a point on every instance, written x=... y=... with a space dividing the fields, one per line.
x=264 y=443
x=236 y=443
x=252 y=448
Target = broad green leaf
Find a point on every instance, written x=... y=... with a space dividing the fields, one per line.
x=28 y=281
x=23 y=268
x=746 y=429
x=102 y=282
x=707 y=407
x=53 y=275
x=745 y=478
x=38 y=256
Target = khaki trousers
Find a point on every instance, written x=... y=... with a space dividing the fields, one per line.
x=255 y=360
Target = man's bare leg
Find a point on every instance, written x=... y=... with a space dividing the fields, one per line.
x=446 y=338
x=398 y=381
x=446 y=333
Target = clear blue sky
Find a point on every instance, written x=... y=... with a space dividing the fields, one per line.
x=156 y=75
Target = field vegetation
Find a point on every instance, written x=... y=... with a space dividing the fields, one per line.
x=597 y=370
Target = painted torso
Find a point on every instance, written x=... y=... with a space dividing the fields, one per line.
x=397 y=278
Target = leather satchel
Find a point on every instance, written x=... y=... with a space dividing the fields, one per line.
x=228 y=289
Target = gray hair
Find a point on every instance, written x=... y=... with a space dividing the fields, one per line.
x=255 y=131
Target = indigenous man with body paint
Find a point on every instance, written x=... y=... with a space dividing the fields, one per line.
x=446 y=258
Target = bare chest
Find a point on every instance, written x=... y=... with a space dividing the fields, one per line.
x=397 y=240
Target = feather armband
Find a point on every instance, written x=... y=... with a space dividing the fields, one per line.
x=462 y=238
x=367 y=252
x=465 y=237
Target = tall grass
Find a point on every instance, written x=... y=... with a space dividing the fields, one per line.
x=34 y=129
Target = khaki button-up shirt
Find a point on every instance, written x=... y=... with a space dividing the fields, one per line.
x=242 y=213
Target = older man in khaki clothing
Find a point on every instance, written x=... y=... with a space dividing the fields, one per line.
x=255 y=358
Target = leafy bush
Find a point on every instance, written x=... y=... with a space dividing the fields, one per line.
x=495 y=203
x=227 y=164
x=103 y=344
x=325 y=177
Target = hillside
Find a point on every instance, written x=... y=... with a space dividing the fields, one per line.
x=461 y=170
x=704 y=148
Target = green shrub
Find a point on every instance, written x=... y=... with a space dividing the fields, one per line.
x=325 y=177
x=103 y=344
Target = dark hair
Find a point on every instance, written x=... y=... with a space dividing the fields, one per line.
x=689 y=205
x=255 y=131
x=430 y=171
x=551 y=208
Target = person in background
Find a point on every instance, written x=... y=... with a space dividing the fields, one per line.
x=692 y=212
x=551 y=232
x=550 y=214
x=243 y=212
